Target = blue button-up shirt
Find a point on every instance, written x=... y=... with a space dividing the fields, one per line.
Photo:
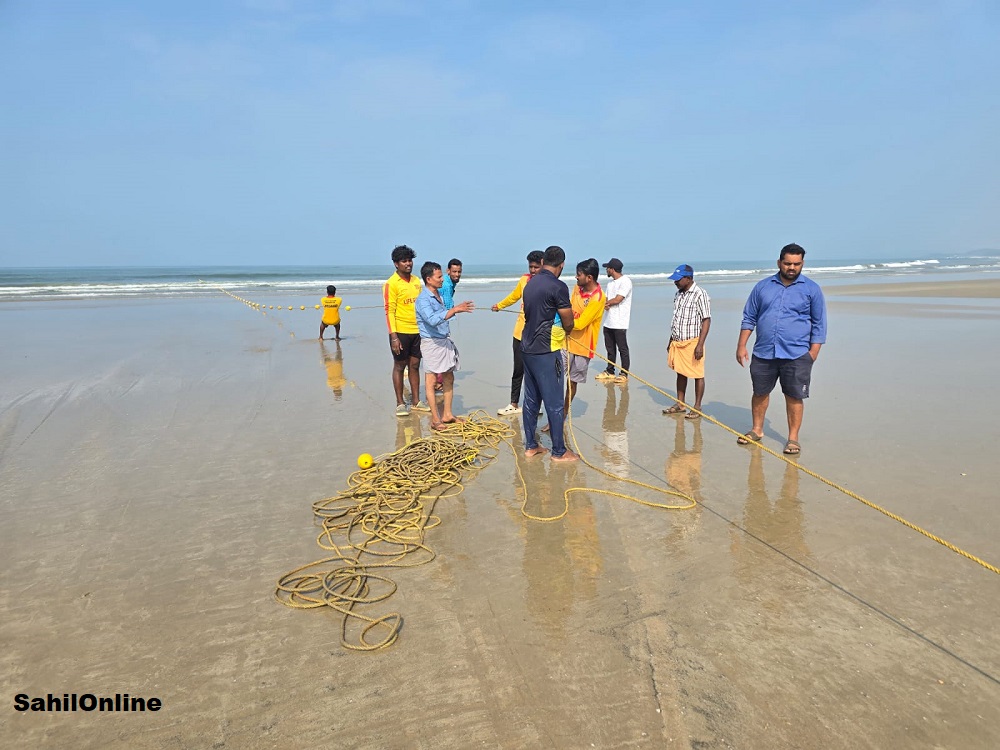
x=788 y=319
x=430 y=311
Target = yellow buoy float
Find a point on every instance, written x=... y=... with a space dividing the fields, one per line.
x=365 y=460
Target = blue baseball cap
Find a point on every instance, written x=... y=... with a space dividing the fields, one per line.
x=681 y=271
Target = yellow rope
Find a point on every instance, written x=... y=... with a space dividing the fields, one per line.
x=690 y=502
x=380 y=522
x=814 y=475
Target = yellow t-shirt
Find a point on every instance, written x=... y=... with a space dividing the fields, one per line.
x=399 y=297
x=331 y=310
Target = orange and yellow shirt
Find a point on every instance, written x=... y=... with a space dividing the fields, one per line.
x=588 y=312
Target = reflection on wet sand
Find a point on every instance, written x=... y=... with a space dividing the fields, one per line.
x=562 y=560
x=615 y=446
x=780 y=524
x=408 y=429
x=682 y=470
x=334 y=364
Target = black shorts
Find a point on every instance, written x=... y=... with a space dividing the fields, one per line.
x=794 y=375
x=410 y=343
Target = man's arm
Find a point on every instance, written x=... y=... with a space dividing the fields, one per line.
x=619 y=298
x=699 y=348
x=461 y=307
x=511 y=298
x=389 y=297
x=741 y=347
x=750 y=310
x=817 y=311
x=566 y=318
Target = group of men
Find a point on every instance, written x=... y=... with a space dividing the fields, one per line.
x=556 y=335
x=417 y=314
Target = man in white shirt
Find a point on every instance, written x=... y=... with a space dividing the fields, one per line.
x=618 y=309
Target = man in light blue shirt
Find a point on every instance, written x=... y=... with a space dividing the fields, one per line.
x=789 y=314
x=437 y=350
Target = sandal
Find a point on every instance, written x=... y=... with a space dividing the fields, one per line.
x=749 y=437
x=692 y=415
x=792 y=448
x=675 y=409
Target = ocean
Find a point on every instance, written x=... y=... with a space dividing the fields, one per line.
x=268 y=282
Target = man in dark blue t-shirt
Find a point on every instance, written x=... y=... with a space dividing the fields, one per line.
x=545 y=297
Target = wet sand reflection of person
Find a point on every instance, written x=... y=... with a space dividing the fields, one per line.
x=780 y=523
x=682 y=470
x=407 y=430
x=615 y=447
x=334 y=364
x=562 y=559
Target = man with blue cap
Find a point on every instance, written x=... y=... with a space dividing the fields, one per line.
x=688 y=331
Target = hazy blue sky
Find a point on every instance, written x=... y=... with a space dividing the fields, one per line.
x=277 y=131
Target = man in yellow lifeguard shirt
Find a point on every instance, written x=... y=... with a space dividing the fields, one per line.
x=534 y=263
x=587 y=300
x=399 y=293
x=331 y=312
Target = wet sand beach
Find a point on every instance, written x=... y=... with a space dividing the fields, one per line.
x=159 y=460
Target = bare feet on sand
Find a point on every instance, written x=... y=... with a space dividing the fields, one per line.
x=567 y=456
x=535 y=451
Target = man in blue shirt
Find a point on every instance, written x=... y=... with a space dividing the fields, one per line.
x=545 y=297
x=438 y=351
x=789 y=314
x=451 y=280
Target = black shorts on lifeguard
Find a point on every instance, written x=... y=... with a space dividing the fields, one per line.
x=410 y=343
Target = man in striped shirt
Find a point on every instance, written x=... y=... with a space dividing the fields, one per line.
x=688 y=331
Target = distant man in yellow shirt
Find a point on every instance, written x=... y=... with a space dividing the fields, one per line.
x=331 y=312
x=534 y=263
x=399 y=293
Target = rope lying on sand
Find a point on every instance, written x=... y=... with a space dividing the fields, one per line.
x=829 y=482
x=380 y=522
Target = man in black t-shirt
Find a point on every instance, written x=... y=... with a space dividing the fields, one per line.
x=545 y=297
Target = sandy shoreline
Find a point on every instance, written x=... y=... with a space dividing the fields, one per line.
x=159 y=461
x=966 y=289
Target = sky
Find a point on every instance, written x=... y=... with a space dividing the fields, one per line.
x=308 y=132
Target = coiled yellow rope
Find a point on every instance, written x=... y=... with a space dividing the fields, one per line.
x=380 y=522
